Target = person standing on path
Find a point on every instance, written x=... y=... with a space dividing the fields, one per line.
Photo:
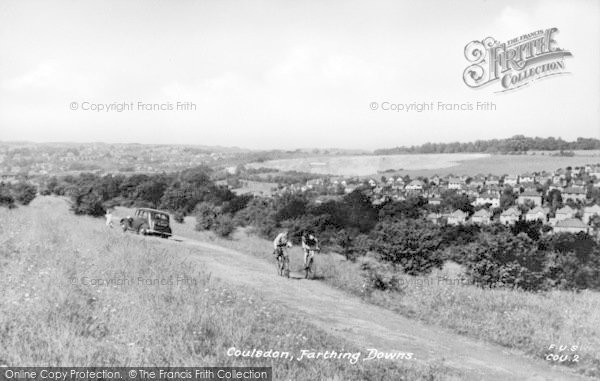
x=108 y=216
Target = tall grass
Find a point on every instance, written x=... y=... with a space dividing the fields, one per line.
x=51 y=315
x=529 y=322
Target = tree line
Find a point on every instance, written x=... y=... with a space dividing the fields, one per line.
x=515 y=144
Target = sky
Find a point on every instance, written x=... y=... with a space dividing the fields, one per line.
x=284 y=74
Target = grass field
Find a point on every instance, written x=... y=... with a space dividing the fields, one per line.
x=432 y=164
x=525 y=321
x=78 y=294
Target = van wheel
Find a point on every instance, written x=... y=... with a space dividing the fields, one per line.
x=143 y=230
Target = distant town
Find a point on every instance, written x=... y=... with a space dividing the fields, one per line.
x=566 y=200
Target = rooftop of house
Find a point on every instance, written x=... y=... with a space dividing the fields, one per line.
x=458 y=214
x=511 y=212
x=573 y=190
x=482 y=213
x=488 y=195
x=538 y=209
x=592 y=209
x=530 y=193
x=571 y=223
x=565 y=210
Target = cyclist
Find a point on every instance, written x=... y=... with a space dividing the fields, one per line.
x=309 y=242
x=280 y=242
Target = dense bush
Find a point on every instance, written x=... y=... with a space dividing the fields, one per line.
x=411 y=244
x=21 y=192
x=24 y=193
x=6 y=199
x=175 y=192
x=351 y=244
x=573 y=261
x=379 y=275
x=206 y=215
x=89 y=203
x=505 y=260
x=223 y=225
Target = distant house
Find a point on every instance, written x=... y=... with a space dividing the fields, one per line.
x=471 y=190
x=559 y=179
x=415 y=186
x=435 y=201
x=487 y=198
x=554 y=185
x=492 y=180
x=8 y=178
x=571 y=225
x=477 y=181
x=527 y=178
x=595 y=171
x=434 y=218
x=574 y=194
x=457 y=217
x=455 y=183
x=380 y=201
x=564 y=213
x=372 y=183
x=314 y=183
x=511 y=180
x=589 y=212
x=399 y=197
x=482 y=217
x=494 y=189
x=530 y=196
x=537 y=213
x=435 y=180
x=544 y=179
x=510 y=216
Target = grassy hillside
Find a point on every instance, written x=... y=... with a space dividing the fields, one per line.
x=530 y=322
x=77 y=293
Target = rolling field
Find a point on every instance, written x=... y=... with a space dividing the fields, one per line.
x=431 y=164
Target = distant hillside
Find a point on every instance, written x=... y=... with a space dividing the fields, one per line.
x=517 y=143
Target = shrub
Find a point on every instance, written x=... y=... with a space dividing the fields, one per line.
x=206 y=214
x=351 y=245
x=223 y=225
x=88 y=203
x=260 y=214
x=504 y=260
x=6 y=199
x=411 y=244
x=378 y=275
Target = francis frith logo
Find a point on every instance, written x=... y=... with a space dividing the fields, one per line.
x=515 y=63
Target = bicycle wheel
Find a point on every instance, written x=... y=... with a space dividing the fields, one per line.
x=309 y=269
x=278 y=266
x=286 y=266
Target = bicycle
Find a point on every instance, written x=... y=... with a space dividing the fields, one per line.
x=310 y=264
x=282 y=262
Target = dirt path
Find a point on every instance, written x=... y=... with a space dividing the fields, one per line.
x=369 y=326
